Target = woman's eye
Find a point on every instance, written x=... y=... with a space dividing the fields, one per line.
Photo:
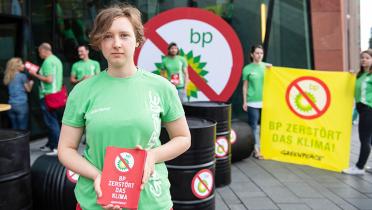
x=107 y=36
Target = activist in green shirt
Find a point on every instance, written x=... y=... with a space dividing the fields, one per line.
x=253 y=79
x=363 y=99
x=122 y=107
x=84 y=68
x=174 y=67
x=52 y=67
x=50 y=76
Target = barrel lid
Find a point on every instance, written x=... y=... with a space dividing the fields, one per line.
x=10 y=134
x=206 y=104
x=195 y=122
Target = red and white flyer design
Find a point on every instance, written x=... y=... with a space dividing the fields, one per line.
x=122 y=177
x=32 y=68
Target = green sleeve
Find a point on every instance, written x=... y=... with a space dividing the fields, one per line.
x=246 y=72
x=172 y=106
x=73 y=69
x=97 y=68
x=76 y=107
x=49 y=68
x=184 y=61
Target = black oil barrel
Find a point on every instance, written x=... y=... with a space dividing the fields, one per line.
x=214 y=111
x=221 y=114
x=242 y=140
x=223 y=160
x=192 y=174
x=51 y=189
x=15 y=179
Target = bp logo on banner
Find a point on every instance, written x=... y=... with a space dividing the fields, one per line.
x=124 y=162
x=210 y=46
x=308 y=97
x=306 y=117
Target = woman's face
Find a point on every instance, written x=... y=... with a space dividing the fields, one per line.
x=257 y=55
x=119 y=42
x=365 y=60
x=21 y=66
x=173 y=50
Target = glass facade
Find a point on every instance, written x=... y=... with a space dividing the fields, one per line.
x=282 y=26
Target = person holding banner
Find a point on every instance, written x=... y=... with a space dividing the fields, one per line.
x=174 y=67
x=253 y=79
x=363 y=98
x=18 y=86
x=122 y=107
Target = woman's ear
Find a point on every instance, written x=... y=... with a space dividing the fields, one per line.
x=137 y=44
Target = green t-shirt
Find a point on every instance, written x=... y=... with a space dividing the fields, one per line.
x=83 y=68
x=123 y=112
x=363 y=89
x=174 y=67
x=254 y=73
x=51 y=66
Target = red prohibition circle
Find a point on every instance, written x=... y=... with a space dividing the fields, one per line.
x=233 y=136
x=294 y=84
x=225 y=150
x=197 y=176
x=213 y=20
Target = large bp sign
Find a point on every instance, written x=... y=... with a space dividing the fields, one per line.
x=210 y=46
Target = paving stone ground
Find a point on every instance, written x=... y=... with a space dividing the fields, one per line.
x=265 y=184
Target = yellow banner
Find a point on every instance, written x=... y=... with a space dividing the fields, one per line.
x=307 y=117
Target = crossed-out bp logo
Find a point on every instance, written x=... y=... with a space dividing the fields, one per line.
x=308 y=97
x=124 y=162
x=233 y=136
x=222 y=146
x=202 y=183
x=210 y=46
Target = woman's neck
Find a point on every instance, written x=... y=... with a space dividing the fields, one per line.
x=366 y=68
x=256 y=62
x=122 y=71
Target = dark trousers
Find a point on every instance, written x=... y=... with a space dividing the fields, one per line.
x=365 y=133
x=52 y=123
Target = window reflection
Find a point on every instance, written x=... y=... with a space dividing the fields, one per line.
x=12 y=7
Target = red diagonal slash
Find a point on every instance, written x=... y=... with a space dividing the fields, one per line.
x=214 y=21
x=307 y=98
x=203 y=183
x=194 y=77
x=221 y=147
x=125 y=162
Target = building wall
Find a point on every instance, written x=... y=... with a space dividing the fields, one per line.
x=335 y=30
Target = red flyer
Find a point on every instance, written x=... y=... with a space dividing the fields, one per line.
x=122 y=177
x=175 y=79
x=32 y=68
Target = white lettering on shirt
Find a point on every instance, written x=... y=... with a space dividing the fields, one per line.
x=155 y=110
x=94 y=111
x=154 y=180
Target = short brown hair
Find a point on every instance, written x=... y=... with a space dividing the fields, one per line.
x=45 y=46
x=104 y=20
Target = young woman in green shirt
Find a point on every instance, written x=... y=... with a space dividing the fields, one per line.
x=363 y=98
x=123 y=107
x=253 y=78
